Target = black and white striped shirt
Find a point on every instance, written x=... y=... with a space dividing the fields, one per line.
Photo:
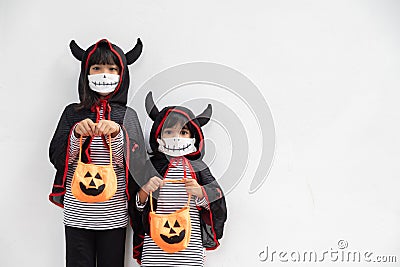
x=106 y=215
x=172 y=197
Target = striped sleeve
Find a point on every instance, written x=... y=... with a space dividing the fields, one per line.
x=117 y=143
x=139 y=205
x=202 y=202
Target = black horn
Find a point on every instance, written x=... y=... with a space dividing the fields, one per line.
x=204 y=117
x=76 y=50
x=151 y=108
x=134 y=54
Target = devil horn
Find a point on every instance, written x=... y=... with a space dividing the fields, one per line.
x=134 y=54
x=204 y=117
x=76 y=50
x=151 y=108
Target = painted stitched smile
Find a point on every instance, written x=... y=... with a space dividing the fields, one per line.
x=177 y=149
x=104 y=83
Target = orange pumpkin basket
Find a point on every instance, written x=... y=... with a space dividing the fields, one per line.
x=94 y=183
x=171 y=232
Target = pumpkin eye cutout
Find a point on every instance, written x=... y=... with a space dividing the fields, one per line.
x=92 y=186
x=171 y=235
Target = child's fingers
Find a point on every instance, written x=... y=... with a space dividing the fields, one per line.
x=106 y=127
x=159 y=182
x=190 y=182
x=90 y=126
x=154 y=183
x=103 y=127
x=78 y=130
x=97 y=129
x=83 y=128
x=152 y=188
x=192 y=187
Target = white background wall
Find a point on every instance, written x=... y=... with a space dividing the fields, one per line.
x=329 y=71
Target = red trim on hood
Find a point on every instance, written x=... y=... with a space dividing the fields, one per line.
x=118 y=56
x=190 y=120
x=192 y=172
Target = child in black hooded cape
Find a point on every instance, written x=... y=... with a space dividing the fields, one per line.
x=208 y=214
x=86 y=220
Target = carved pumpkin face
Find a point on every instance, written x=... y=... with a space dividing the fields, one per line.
x=92 y=186
x=172 y=234
x=94 y=183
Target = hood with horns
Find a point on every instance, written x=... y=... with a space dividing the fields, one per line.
x=194 y=124
x=120 y=94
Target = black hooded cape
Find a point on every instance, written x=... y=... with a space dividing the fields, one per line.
x=212 y=220
x=115 y=109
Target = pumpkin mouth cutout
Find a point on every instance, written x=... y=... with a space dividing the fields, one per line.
x=173 y=238
x=93 y=188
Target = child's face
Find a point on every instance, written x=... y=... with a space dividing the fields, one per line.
x=106 y=68
x=176 y=131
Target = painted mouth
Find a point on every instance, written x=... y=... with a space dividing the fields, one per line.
x=177 y=149
x=92 y=191
x=104 y=83
x=174 y=239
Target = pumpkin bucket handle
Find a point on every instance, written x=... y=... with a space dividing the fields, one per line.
x=80 y=149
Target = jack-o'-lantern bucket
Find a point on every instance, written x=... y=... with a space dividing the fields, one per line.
x=171 y=232
x=94 y=183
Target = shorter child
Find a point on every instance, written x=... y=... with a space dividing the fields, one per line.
x=177 y=142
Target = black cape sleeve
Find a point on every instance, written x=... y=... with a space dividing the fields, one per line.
x=136 y=155
x=214 y=222
x=58 y=153
x=59 y=142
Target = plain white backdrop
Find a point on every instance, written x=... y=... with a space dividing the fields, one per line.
x=329 y=71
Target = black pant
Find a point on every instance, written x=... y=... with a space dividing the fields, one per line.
x=86 y=247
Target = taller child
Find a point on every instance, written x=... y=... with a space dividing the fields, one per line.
x=95 y=230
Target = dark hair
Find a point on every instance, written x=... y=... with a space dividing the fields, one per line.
x=102 y=56
x=173 y=118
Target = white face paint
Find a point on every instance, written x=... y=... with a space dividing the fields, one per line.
x=103 y=82
x=176 y=146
